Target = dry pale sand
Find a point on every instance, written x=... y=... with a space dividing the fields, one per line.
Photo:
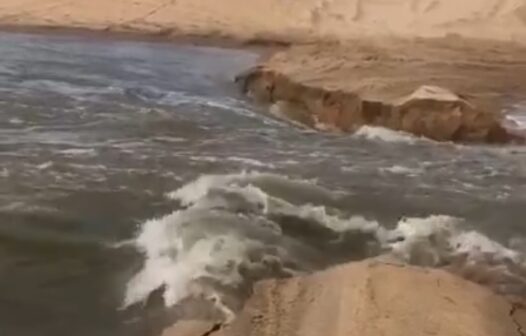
x=283 y=20
x=369 y=298
x=387 y=69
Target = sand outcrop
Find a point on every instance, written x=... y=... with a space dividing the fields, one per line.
x=446 y=89
x=278 y=20
x=369 y=298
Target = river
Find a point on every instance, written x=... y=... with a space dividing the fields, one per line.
x=129 y=166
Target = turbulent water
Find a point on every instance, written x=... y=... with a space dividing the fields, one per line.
x=134 y=176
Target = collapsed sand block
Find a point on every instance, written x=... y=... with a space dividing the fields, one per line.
x=440 y=114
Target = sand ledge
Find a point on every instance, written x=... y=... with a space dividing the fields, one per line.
x=355 y=299
x=347 y=85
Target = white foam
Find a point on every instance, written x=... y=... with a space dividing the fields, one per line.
x=189 y=245
x=204 y=158
x=65 y=88
x=350 y=169
x=178 y=98
x=168 y=139
x=384 y=134
x=174 y=263
x=333 y=222
x=45 y=165
x=250 y=162
x=246 y=197
x=423 y=235
x=209 y=239
x=16 y=121
x=230 y=222
x=195 y=190
x=476 y=245
x=402 y=170
x=289 y=162
x=26 y=207
x=516 y=121
x=99 y=167
x=443 y=241
x=78 y=152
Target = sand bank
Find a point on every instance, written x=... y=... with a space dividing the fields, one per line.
x=447 y=89
x=277 y=20
x=368 y=298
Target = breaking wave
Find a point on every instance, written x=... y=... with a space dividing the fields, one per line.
x=233 y=230
x=385 y=134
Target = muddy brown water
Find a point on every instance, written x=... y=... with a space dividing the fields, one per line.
x=94 y=133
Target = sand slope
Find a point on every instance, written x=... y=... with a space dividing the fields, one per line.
x=279 y=19
x=369 y=298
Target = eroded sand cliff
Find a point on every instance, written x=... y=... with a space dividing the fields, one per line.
x=448 y=89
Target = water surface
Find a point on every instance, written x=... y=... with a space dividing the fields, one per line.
x=94 y=134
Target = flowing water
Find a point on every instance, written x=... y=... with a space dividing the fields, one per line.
x=134 y=175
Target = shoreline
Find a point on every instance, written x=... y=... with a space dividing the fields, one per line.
x=339 y=78
x=212 y=41
x=226 y=40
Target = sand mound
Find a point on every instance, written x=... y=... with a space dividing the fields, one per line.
x=277 y=19
x=369 y=298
